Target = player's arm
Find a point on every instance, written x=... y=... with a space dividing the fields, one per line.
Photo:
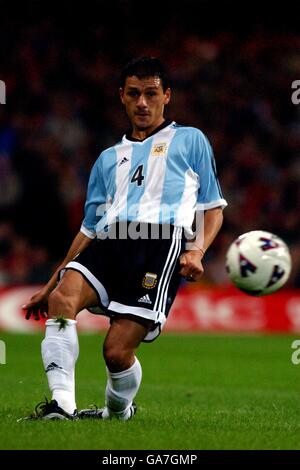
x=38 y=303
x=191 y=260
x=210 y=202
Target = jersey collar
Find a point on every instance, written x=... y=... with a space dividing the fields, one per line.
x=166 y=123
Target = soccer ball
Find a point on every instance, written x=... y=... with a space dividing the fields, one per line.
x=258 y=262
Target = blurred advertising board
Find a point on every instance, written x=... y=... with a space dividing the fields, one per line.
x=196 y=309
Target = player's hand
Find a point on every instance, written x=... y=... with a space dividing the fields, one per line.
x=191 y=265
x=38 y=305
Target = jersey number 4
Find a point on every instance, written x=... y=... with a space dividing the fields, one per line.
x=138 y=176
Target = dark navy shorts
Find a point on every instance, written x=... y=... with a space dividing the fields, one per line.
x=134 y=278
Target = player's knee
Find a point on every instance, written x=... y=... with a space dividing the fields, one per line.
x=116 y=358
x=61 y=305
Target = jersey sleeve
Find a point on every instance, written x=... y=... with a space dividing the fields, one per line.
x=96 y=195
x=209 y=192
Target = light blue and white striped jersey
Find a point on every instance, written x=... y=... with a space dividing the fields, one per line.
x=163 y=179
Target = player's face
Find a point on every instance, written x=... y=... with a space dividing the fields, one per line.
x=144 y=101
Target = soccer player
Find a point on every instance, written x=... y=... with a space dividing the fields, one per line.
x=133 y=247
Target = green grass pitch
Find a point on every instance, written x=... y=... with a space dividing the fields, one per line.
x=198 y=392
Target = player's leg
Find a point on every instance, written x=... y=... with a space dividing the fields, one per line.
x=72 y=294
x=146 y=297
x=124 y=372
x=122 y=339
x=60 y=347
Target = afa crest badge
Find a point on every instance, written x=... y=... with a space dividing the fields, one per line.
x=149 y=280
x=159 y=150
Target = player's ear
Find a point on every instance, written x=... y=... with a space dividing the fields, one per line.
x=167 y=96
x=121 y=93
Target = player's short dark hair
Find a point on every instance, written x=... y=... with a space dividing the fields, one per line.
x=144 y=67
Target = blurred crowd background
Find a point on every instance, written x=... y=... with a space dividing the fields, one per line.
x=231 y=77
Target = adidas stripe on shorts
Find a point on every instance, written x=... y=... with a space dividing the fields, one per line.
x=135 y=278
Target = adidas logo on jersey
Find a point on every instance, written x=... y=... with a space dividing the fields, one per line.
x=124 y=160
x=145 y=299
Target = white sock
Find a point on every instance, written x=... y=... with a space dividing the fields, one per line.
x=60 y=351
x=121 y=389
